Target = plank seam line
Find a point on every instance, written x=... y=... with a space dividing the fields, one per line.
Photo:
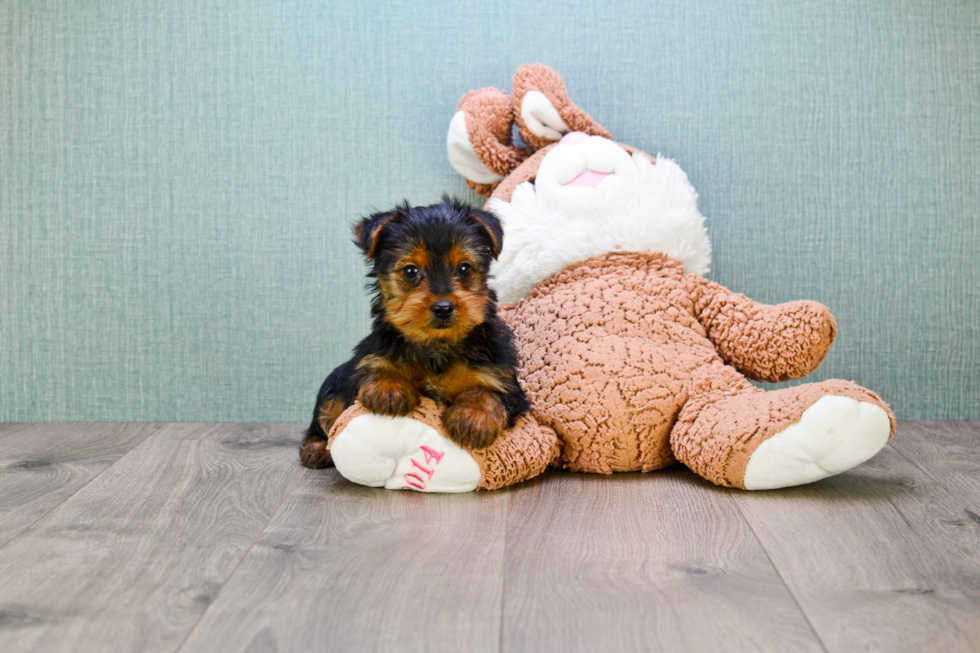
x=156 y=428
x=217 y=595
x=503 y=574
x=938 y=480
x=917 y=465
x=799 y=607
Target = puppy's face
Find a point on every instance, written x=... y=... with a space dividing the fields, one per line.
x=432 y=264
x=434 y=292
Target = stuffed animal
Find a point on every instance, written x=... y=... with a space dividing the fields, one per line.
x=631 y=359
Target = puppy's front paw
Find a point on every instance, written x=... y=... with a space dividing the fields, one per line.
x=475 y=419
x=389 y=396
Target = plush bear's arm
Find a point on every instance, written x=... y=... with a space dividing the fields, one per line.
x=765 y=343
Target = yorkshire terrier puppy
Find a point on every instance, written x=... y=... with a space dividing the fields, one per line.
x=435 y=333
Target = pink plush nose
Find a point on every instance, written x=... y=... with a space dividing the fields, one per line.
x=572 y=138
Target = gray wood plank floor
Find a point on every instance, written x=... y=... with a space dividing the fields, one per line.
x=41 y=465
x=211 y=537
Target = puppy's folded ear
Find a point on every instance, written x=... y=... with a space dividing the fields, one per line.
x=491 y=225
x=367 y=232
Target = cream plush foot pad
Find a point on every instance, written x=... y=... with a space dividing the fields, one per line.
x=401 y=453
x=832 y=436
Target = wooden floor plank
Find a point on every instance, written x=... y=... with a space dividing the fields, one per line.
x=349 y=568
x=41 y=465
x=631 y=562
x=880 y=558
x=949 y=452
x=144 y=537
x=132 y=560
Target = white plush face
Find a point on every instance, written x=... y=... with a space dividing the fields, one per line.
x=585 y=176
x=591 y=197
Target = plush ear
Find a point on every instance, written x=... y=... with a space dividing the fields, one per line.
x=480 y=143
x=367 y=232
x=545 y=112
x=491 y=225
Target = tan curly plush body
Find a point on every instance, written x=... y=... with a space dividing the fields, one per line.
x=624 y=355
x=631 y=359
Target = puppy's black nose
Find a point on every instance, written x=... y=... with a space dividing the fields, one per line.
x=442 y=309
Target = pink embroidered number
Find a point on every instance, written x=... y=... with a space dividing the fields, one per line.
x=413 y=479
x=431 y=454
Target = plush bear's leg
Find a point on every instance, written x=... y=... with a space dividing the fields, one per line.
x=414 y=452
x=736 y=435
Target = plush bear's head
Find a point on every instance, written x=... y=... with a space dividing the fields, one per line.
x=572 y=193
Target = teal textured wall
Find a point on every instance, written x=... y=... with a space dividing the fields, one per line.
x=177 y=178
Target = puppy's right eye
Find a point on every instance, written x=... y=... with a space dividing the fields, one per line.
x=410 y=272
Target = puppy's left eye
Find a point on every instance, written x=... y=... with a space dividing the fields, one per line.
x=410 y=272
x=464 y=269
